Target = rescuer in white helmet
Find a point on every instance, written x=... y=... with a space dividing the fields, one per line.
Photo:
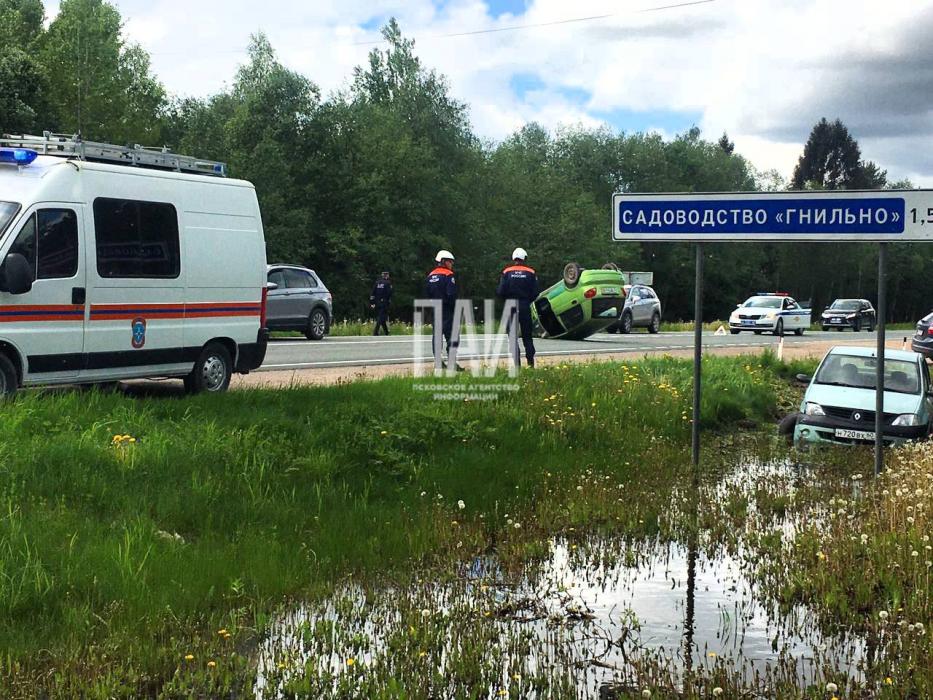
x=442 y=285
x=519 y=282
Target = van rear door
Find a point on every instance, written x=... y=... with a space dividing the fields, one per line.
x=46 y=324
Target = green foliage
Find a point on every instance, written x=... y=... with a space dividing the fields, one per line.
x=98 y=86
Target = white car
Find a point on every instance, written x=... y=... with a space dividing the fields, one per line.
x=774 y=313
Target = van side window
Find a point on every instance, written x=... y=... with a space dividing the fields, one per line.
x=136 y=239
x=49 y=242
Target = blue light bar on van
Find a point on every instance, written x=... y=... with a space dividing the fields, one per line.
x=17 y=156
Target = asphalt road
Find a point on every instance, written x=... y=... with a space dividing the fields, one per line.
x=298 y=353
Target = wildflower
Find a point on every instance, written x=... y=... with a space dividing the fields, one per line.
x=211 y=664
x=717 y=691
x=422 y=654
x=383 y=432
x=453 y=523
x=820 y=556
x=461 y=505
x=889 y=681
x=646 y=693
x=712 y=654
x=883 y=615
x=517 y=526
x=425 y=613
x=915 y=553
x=222 y=632
x=831 y=687
x=910 y=520
x=189 y=657
x=351 y=661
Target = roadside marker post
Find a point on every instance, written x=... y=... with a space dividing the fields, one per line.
x=883 y=217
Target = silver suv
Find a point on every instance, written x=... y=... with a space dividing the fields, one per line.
x=298 y=301
x=642 y=310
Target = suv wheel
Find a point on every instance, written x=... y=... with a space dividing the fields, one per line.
x=655 y=323
x=317 y=325
x=212 y=371
x=779 y=328
x=626 y=325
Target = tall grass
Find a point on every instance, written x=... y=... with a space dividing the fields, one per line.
x=132 y=530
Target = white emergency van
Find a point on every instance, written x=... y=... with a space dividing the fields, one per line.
x=123 y=262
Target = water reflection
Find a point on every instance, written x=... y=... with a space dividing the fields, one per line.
x=595 y=616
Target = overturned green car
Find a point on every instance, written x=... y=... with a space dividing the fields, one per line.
x=584 y=302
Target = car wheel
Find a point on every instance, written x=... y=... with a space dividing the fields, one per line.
x=839 y=329
x=871 y=326
x=825 y=328
x=779 y=328
x=611 y=266
x=572 y=272
x=317 y=325
x=857 y=325
x=798 y=331
x=212 y=371
x=734 y=332
x=655 y=323
x=625 y=325
x=8 y=380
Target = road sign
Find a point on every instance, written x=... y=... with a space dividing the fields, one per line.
x=884 y=216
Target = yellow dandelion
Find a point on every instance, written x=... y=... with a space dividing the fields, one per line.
x=189 y=657
x=211 y=664
x=351 y=661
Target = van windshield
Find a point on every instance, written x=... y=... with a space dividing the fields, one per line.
x=7 y=212
x=900 y=376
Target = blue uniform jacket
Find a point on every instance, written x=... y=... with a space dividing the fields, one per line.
x=518 y=282
x=441 y=284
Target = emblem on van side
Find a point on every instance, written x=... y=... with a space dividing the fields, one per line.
x=139 y=333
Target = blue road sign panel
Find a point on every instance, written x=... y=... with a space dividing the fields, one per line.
x=824 y=216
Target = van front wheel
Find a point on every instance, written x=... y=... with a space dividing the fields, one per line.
x=211 y=372
x=8 y=381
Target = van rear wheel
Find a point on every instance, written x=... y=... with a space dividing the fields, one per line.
x=9 y=382
x=212 y=371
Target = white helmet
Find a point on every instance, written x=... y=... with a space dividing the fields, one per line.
x=443 y=255
x=519 y=254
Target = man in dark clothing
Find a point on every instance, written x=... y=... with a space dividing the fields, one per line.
x=379 y=300
x=442 y=285
x=519 y=282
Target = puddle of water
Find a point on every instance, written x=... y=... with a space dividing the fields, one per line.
x=591 y=615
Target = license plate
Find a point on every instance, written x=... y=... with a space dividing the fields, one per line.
x=748 y=322
x=609 y=290
x=837 y=320
x=854 y=434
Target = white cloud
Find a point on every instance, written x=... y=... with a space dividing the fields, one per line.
x=763 y=70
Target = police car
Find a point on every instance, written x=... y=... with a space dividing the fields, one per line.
x=772 y=312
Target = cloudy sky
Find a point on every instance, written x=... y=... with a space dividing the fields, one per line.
x=763 y=70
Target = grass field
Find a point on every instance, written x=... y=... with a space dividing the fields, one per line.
x=146 y=545
x=136 y=532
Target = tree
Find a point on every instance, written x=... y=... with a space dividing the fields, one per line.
x=725 y=144
x=98 y=86
x=22 y=81
x=832 y=160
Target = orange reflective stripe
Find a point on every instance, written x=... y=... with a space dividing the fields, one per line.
x=441 y=271
x=518 y=268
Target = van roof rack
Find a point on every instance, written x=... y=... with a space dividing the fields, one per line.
x=73 y=146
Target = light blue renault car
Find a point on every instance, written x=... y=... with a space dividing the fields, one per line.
x=839 y=405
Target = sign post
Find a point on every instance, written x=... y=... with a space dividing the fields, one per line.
x=824 y=216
